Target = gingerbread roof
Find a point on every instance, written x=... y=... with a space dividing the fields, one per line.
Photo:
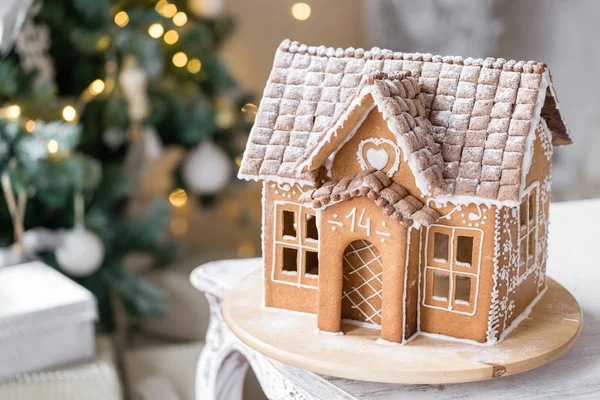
x=397 y=96
x=377 y=186
x=482 y=112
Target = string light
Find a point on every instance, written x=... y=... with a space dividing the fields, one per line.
x=171 y=37
x=69 y=113
x=194 y=66
x=160 y=6
x=156 y=30
x=249 y=111
x=30 y=126
x=103 y=43
x=13 y=112
x=179 y=226
x=97 y=86
x=178 y=197
x=121 y=19
x=180 y=59
x=52 y=146
x=301 y=11
x=180 y=19
x=169 y=10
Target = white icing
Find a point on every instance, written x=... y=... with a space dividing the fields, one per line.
x=451 y=338
x=378 y=102
x=406 y=263
x=378 y=158
x=370 y=325
x=263 y=205
x=478 y=235
x=333 y=131
x=276 y=179
x=523 y=316
x=364 y=223
x=528 y=154
x=545 y=139
x=294 y=242
x=507 y=258
x=320 y=332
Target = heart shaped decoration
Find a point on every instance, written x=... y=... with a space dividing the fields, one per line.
x=378 y=158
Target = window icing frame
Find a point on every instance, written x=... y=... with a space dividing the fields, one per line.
x=452 y=268
x=301 y=243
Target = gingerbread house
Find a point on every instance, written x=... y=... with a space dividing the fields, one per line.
x=405 y=192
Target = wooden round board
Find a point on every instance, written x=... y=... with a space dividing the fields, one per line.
x=290 y=337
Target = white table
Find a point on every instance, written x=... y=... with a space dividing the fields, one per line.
x=574 y=262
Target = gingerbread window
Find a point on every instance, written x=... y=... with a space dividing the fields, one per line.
x=452 y=258
x=296 y=245
x=528 y=230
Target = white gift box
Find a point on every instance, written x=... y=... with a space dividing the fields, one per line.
x=46 y=319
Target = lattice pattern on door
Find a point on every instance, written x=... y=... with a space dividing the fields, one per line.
x=363 y=269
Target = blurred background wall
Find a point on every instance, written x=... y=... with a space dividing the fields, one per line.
x=558 y=32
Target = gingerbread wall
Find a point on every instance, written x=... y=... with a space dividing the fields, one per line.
x=454 y=316
x=361 y=219
x=422 y=311
x=375 y=137
x=411 y=284
x=518 y=282
x=285 y=290
x=525 y=282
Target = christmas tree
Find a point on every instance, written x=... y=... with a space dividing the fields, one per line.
x=112 y=111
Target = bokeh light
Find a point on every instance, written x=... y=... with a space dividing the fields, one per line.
x=171 y=37
x=121 y=19
x=178 y=197
x=194 y=65
x=301 y=11
x=180 y=59
x=156 y=30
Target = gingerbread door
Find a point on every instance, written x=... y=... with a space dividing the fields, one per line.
x=362 y=287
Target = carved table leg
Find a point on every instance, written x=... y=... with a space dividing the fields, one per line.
x=224 y=360
x=221 y=367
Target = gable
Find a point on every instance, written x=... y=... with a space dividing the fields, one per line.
x=402 y=114
x=372 y=146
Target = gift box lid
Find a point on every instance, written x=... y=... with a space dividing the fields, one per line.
x=34 y=296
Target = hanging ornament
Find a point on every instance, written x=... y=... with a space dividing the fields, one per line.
x=133 y=82
x=81 y=252
x=206 y=8
x=207 y=169
x=225 y=113
x=13 y=14
x=32 y=46
x=141 y=155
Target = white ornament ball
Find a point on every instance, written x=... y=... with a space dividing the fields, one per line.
x=207 y=169
x=207 y=8
x=81 y=252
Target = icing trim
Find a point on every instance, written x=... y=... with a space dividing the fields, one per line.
x=368 y=90
x=529 y=145
x=378 y=142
